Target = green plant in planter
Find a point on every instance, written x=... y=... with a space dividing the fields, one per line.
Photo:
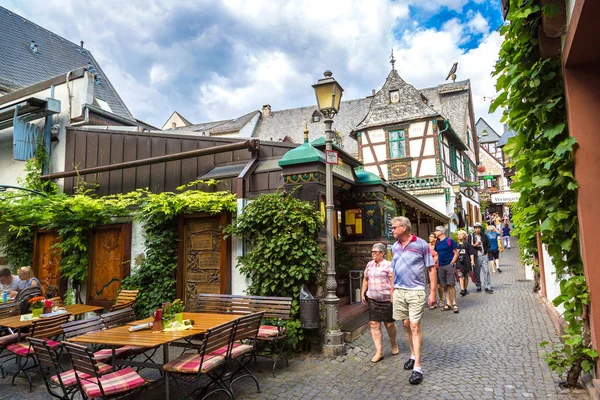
x=282 y=232
x=170 y=310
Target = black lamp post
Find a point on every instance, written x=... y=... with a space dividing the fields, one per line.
x=329 y=97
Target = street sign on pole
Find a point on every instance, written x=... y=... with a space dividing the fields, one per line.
x=331 y=157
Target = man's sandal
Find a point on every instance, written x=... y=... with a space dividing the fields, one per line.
x=446 y=308
x=433 y=307
x=455 y=308
x=377 y=358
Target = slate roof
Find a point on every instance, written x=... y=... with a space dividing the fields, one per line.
x=223 y=126
x=451 y=101
x=279 y=124
x=508 y=133
x=491 y=137
x=410 y=106
x=20 y=67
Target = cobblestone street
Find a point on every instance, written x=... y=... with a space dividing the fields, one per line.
x=490 y=350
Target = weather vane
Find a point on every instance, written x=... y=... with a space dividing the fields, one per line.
x=393 y=61
x=452 y=73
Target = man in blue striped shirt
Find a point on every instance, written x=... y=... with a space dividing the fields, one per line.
x=411 y=260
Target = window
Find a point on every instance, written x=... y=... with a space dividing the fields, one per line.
x=453 y=160
x=316 y=116
x=467 y=169
x=394 y=96
x=397 y=144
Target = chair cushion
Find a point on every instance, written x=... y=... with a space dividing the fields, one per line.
x=120 y=381
x=269 y=331
x=237 y=350
x=106 y=354
x=24 y=349
x=69 y=379
x=190 y=363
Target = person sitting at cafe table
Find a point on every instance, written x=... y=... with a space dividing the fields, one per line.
x=26 y=275
x=9 y=282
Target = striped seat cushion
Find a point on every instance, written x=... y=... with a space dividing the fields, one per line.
x=237 y=350
x=24 y=349
x=106 y=354
x=8 y=339
x=120 y=381
x=269 y=331
x=69 y=378
x=190 y=363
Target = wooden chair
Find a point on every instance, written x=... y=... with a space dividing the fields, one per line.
x=125 y=298
x=244 y=346
x=44 y=328
x=191 y=366
x=276 y=309
x=94 y=324
x=94 y=383
x=59 y=383
x=7 y=336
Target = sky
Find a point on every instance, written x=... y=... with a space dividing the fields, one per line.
x=212 y=60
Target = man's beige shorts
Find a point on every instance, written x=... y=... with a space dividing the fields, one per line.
x=409 y=304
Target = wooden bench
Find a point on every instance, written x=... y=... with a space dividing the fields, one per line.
x=278 y=308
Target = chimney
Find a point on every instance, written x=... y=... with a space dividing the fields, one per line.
x=372 y=92
x=81 y=44
x=266 y=110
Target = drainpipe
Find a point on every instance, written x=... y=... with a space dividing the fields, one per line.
x=48 y=136
x=440 y=150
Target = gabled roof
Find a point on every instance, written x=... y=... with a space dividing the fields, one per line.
x=410 y=106
x=490 y=135
x=451 y=101
x=223 y=126
x=508 y=133
x=20 y=67
x=279 y=124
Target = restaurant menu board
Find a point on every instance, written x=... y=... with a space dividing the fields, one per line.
x=353 y=220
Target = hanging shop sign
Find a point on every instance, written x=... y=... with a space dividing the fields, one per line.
x=506 y=197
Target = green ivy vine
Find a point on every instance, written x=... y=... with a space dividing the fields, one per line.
x=281 y=231
x=532 y=92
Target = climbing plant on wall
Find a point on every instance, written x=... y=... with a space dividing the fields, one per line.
x=531 y=89
x=73 y=217
x=281 y=232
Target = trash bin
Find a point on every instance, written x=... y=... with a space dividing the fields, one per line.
x=310 y=316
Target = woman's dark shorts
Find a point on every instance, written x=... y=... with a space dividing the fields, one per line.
x=380 y=311
x=493 y=255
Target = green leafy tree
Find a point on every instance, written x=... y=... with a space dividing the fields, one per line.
x=281 y=231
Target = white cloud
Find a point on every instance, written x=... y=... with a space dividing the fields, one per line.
x=478 y=24
x=160 y=73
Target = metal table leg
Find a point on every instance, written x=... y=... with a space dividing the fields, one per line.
x=166 y=360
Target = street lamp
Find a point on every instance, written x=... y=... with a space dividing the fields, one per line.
x=329 y=97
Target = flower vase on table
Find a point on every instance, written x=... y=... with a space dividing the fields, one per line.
x=173 y=313
x=36 y=305
x=36 y=312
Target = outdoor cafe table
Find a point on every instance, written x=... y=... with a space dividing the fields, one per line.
x=120 y=336
x=73 y=309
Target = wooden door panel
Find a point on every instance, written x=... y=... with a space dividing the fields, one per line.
x=108 y=263
x=46 y=260
x=203 y=264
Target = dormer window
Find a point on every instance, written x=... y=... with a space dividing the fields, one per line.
x=394 y=96
x=316 y=116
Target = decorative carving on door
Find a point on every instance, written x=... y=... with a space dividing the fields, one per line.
x=203 y=262
x=47 y=260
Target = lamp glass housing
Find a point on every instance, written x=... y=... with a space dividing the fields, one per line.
x=329 y=95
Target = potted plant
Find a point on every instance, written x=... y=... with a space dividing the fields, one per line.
x=36 y=305
x=173 y=312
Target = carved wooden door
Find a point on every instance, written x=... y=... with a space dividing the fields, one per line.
x=46 y=261
x=203 y=257
x=109 y=258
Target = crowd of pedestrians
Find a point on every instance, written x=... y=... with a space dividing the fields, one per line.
x=396 y=290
